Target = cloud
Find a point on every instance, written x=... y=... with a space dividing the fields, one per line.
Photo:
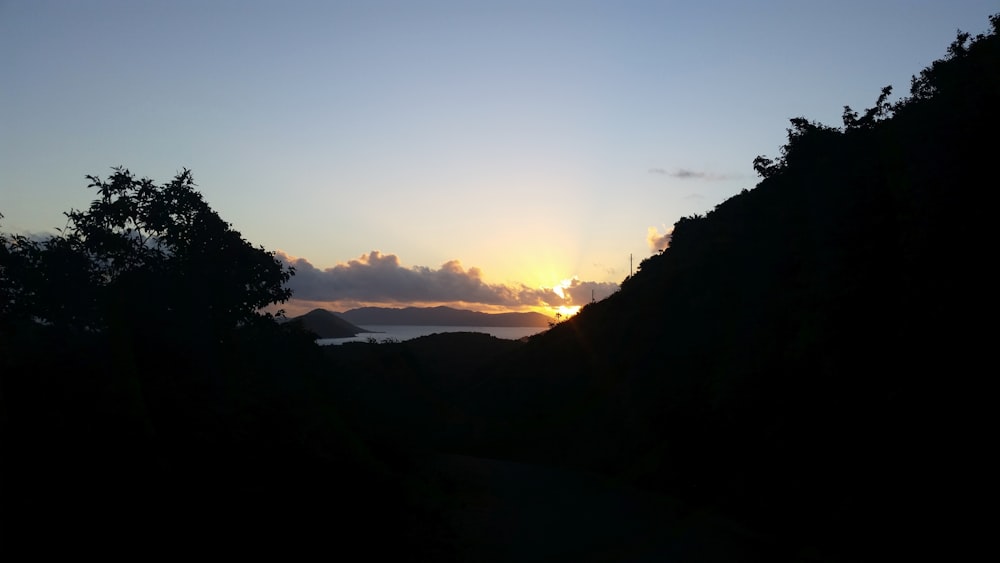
x=656 y=241
x=381 y=279
x=688 y=174
x=685 y=173
x=581 y=292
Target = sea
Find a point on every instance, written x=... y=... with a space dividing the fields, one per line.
x=399 y=333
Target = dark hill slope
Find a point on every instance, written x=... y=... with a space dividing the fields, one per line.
x=411 y=392
x=799 y=352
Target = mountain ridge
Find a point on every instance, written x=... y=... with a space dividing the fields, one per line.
x=441 y=316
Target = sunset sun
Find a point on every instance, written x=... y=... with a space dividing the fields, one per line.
x=567 y=312
x=561 y=289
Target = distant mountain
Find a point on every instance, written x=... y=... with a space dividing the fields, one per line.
x=440 y=316
x=325 y=324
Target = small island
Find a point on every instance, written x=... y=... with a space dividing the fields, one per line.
x=325 y=324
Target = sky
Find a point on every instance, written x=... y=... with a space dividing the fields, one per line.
x=488 y=155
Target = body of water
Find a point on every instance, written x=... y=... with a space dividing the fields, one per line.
x=383 y=333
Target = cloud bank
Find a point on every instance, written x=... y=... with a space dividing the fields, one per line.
x=656 y=241
x=381 y=279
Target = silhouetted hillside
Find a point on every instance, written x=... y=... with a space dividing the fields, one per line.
x=799 y=351
x=441 y=316
x=414 y=391
x=325 y=324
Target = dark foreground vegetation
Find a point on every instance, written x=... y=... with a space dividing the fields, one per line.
x=802 y=363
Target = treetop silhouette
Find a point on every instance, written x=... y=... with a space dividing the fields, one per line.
x=142 y=250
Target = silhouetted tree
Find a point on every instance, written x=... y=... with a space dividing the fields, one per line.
x=141 y=253
x=138 y=373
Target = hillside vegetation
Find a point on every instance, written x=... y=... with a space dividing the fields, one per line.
x=806 y=354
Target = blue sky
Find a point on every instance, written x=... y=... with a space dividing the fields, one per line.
x=471 y=153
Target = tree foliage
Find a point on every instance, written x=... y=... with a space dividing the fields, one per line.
x=961 y=76
x=141 y=252
x=138 y=374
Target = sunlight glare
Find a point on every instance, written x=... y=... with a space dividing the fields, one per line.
x=563 y=285
x=567 y=312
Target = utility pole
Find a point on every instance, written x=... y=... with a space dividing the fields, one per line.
x=630 y=264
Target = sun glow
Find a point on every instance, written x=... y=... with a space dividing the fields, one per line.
x=560 y=289
x=566 y=312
